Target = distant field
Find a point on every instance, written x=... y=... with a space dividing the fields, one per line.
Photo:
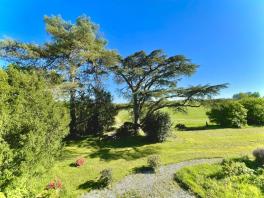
x=123 y=156
x=193 y=118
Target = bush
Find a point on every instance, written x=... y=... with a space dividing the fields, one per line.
x=259 y=156
x=228 y=114
x=106 y=177
x=80 y=162
x=233 y=168
x=126 y=130
x=255 y=110
x=157 y=126
x=154 y=162
x=180 y=127
x=32 y=126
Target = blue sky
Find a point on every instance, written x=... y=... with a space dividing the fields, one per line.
x=226 y=38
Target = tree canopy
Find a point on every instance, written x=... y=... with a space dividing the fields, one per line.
x=75 y=51
x=151 y=83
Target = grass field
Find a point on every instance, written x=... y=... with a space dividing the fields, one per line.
x=125 y=155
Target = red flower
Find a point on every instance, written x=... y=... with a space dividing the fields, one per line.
x=51 y=185
x=80 y=162
x=55 y=184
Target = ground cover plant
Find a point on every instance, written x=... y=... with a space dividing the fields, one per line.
x=238 y=177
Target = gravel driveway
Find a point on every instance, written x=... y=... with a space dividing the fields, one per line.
x=151 y=185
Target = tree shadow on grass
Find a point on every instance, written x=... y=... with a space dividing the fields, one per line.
x=113 y=149
x=91 y=184
x=143 y=169
x=199 y=128
x=133 y=153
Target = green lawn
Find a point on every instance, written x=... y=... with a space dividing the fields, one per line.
x=125 y=155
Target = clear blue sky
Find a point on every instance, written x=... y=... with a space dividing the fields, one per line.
x=225 y=37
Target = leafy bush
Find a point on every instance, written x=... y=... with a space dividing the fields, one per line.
x=255 y=110
x=106 y=177
x=154 y=162
x=126 y=130
x=228 y=114
x=232 y=168
x=157 y=126
x=80 y=162
x=180 y=127
x=259 y=156
x=32 y=126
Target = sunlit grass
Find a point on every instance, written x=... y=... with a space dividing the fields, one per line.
x=125 y=155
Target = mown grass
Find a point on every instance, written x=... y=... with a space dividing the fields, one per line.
x=124 y=156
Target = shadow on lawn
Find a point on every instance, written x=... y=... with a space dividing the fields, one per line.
x=198 y=128
x=113 y=149
x=143 y=169
x=91 y=184
x=133 y=153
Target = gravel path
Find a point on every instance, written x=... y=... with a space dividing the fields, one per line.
x=151 y=185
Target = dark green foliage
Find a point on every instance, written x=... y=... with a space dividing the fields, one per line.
x=255 y=110
x=228 y=114
x=259 y=156
x=32 y=126
x=126 y=130
x=157 y=126
x=102 y=113
x=154 y=162
x=106 y=177
x=95 y=113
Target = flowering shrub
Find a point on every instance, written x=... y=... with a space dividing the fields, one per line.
x=80 y=162
x=55 y=184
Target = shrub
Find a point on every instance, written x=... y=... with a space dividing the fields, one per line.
x=255 y=110
x=233 y=168
x=126 y=130
x=80 y=162
x=157 y=126
x=180 y=127
x=154 y=162
x=106 y=177
x=32 y=127
x=228 y=114
x=259 y=156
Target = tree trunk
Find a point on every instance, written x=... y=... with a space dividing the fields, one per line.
x=136 y=113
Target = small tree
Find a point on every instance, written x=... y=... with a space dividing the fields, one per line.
x=151 y=83
x=228 y=114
